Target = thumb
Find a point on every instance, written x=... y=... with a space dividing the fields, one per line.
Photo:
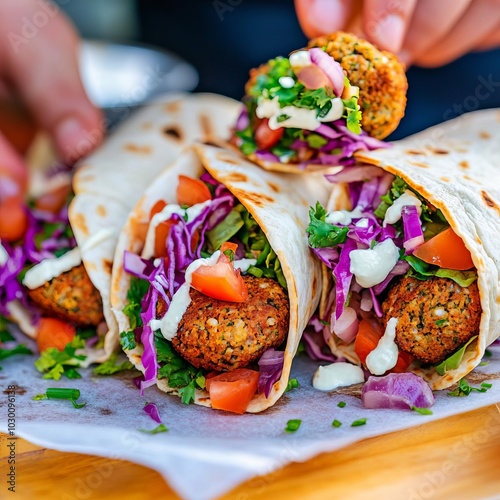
x=322 y=17
x=42 y=62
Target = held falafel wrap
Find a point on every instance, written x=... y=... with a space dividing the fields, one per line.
x=318 y=106
x=409 y=241
x=56 y=276
x=213 y=281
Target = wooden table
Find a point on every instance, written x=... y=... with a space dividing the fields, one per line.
x=458 y=457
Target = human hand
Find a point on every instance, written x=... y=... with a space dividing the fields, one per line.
x=39 y=63
x=425 y=32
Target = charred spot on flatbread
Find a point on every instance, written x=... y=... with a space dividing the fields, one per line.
x=419 y=164
x=206 y=126
x=484 y=135
x=258 y=199
x=489 y=201
x=172 y=107
x=236 y=177
x=464 y=164
x=135 y=148
x=274 y=187
x=173 y=132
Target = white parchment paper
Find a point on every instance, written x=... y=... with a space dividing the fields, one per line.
x=206 y=453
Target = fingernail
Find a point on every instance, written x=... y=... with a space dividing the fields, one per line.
x=327 y=16
x=389 y=33
x=73 y=141
x=405 y=57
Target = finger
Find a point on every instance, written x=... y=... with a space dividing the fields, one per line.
x=465 y=35
x=13 y=172
x=322 y=17
x=42 y=62
x=386 y=22
x=491 y=41
x=431 y=21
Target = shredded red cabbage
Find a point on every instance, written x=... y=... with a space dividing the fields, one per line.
x=152 y=410
x=270 y=369
x=412 y=227
x=397 y=390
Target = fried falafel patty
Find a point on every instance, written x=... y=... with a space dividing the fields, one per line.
x=71 y=297
x=435 y=317
x=378 y=74
x=222 y=336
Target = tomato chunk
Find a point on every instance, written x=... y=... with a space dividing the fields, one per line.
x=367 y=338
x=221 y=281
x=233 y=391
x=54 y=201
x=445 y=250
x=13 y=219
x=54 y=333
x=192 y=191
x=161 y=233
x=266 y=137
x=157 y=208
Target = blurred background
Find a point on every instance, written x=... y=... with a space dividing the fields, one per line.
x=223 y=39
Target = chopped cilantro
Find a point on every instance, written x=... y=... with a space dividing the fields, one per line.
x=464 y=389
x=5 y=335
x=336 y=423
x=316 y=141
x=422 y=411
x=321 y=233
x=359 y=422
x=342 y=404
x=293 y=383
x=19 y=349
x=112 y=366
x=136 y=292
x=293 y=425
x=54 y=363
x=352 y=114
x=156 y=430
x=127 y=340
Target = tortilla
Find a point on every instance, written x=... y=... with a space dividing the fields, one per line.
x=456 y=167
x=109 y=182
x=279 y=205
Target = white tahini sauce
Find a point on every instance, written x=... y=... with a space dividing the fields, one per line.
x=287 y=82
x=297 y=117
x=52 y=268
x=372 y=265
x=329 y=377
x=4 y=256
x=244 y=264
x=300 y=59
x=385 y=355
x=344 y=217
x=393 y=213
x=164 y=215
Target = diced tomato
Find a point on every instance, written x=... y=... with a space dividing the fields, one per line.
x=233 y=391
x=54 y=201
x=192 y=191
x=161 y=233
x=221 y=281
x=228 y=246
x=157 y=208
x=13 y=219
x=54 y=333
x=367 y=338
x=445 y=250
x=265 y=137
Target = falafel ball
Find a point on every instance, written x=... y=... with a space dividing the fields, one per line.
x=378 y=74
x=71 y=297
x=435 y=317
x=222 y=336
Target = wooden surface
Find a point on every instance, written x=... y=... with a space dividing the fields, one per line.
x=458 y=457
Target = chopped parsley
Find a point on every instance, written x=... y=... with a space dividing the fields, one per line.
x=112 y=366
x=54 y=363
x=359 y=422
x=336 y=423
x=136 y=292
x=342 y=404
x=422 y=411
x=293 y=425
x=293 y=383
x=464 y=389
x=321 y=233
x=157 y=430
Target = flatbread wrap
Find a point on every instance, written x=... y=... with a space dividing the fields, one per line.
x=66 y=255
x=411 y=254
x=217 y=279
x=315 y=108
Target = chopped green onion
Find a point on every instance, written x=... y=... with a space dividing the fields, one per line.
x=336 y=423
x=293 y=383
x=342 y=404
x=487 y=385
x=156 y=430
x=422 y=411
x=61 y=393
x=293 y=425
x=359 y=422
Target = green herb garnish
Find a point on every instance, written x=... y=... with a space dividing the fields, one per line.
x=54 y=363
x=464 y=389
x=61 y=393
x=293 y=383
x=156 y=430
x=422 y=411
x=359 y=422
x=136 y=292
x=336 y=423
x=112 y=366
x=321 y=233
x=293 y=425
x=453 y=362
x=342 y=404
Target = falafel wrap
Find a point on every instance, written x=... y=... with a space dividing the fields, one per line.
x=57 y=275
x=315 y=108
x=411 y=255
x=213 y=281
